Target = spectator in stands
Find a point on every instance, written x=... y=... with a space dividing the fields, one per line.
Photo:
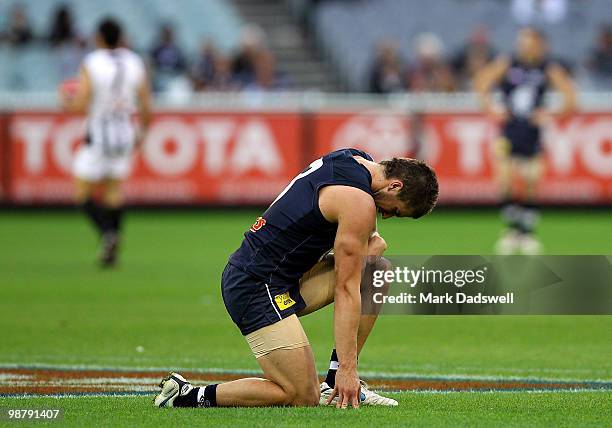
x=70 y=56
x=212 y=71
x=223 y=79
x=600 y=60
x=252 y=42
x=476 y=53
x=429 y=72
x=167 y=58
x=203 y=69
x=266 y=76
x=62 y=27
x=386 y=72
x=18 y=31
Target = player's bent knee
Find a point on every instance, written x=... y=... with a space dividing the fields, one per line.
x=383 y=263
x=300 y=395
x=307 y=398
x=306 y=402
x=378 y=263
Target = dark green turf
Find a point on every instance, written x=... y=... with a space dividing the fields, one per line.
x=57 y=307
x=558 y=409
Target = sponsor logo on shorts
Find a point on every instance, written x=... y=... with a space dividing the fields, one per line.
x=259 y=223
x=284 y=301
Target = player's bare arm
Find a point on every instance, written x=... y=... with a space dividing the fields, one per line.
x=485 y=81
x=79 y=103
x=562 y=82
x=145 y=107
x=355 y=213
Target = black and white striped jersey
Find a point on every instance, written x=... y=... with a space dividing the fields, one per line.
x=116 y=76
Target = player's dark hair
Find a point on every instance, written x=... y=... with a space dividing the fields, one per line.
x=420 y=190
x=110 y=31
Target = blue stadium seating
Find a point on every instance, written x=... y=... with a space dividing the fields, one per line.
x=38 y=68
x=349 y=30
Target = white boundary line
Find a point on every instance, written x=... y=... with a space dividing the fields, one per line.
x=373 y=374
x=393 y=392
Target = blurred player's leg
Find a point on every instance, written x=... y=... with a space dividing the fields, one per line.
x=520 y=211
x=510 y=206
x=531 y=171
x=112 y=221
x=84 y=200
x=90 y=168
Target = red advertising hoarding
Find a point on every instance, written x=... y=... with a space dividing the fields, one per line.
x=4 y=146
x=245 y=157
x=209 y=158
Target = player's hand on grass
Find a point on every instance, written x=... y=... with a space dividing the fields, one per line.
x=347 y=388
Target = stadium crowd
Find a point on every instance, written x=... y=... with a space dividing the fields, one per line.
x=253 y=67
x=432 y=70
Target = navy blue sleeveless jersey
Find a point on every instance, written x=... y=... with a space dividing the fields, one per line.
x=523 y=88
x=290 y=237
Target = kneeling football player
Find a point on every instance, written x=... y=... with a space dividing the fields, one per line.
x=283 y=270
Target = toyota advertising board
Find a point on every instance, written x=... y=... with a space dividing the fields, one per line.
x=228 y=158
x=187 y=158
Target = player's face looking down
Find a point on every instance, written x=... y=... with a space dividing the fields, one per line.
x=404 y=187
x=387 y=202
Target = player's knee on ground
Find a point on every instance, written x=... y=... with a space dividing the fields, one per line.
x=305 y=396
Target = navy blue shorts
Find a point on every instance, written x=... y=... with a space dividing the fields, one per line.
x=523 y=137
x=253 y=304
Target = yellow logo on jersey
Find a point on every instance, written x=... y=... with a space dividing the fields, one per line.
x=284 y=301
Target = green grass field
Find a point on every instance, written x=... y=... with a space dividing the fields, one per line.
x=161 y=308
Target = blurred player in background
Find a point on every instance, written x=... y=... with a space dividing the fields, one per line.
x=112 y=84
x=523 y=80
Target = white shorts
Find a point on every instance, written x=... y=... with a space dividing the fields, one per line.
x=92 y=165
